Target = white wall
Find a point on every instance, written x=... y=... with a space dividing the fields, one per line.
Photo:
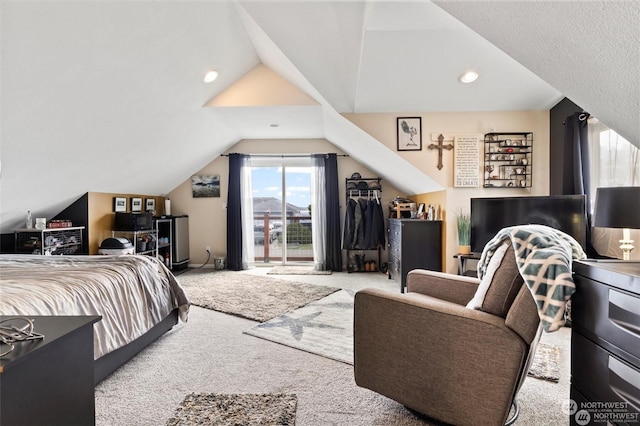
x=207 y=216
x=383 y=127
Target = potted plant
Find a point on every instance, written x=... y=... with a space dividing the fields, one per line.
x=464 y=233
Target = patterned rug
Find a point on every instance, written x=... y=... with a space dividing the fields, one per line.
x=325 y=327
x=296 y=270
x=249 y=296
x=235 y=409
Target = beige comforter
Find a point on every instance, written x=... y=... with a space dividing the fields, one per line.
x=131 y=293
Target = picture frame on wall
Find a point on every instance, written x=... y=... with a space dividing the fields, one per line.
x=409 y=133
x=119 y=204
x=150 y=204
x=205 y=186
x=136 y=204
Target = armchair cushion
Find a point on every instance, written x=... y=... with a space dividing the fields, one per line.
x=500 y=284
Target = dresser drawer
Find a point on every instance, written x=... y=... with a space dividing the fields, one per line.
x=604 y=377
x=609 y=313
x=394 y=230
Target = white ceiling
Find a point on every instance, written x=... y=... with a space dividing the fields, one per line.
x=108 y=95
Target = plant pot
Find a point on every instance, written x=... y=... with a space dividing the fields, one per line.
x=464 y=249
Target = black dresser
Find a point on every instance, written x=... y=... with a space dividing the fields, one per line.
x=413 y=244
x=605 y=343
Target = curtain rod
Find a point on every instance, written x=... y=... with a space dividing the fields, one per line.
x=282 y=155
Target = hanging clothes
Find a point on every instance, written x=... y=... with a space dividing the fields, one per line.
x=378 y=234
x=360 y=224
x=348 y=239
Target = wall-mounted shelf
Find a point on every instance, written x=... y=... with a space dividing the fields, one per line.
x=508 y=160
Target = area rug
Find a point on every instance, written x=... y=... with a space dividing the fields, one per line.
x=249 y=296
x=235 y=409
x=546 y=363
x=325 y=327
x=296 y=270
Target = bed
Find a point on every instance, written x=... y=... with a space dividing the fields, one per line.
x=138 y=298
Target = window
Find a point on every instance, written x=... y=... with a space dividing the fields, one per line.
x=614 y=162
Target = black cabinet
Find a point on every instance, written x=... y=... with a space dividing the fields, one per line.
x=50 y=381
x=413 y=244
x=605 y=343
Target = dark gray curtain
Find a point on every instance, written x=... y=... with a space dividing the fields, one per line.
x=333 y=261
x=234 y=214
x=576 y=137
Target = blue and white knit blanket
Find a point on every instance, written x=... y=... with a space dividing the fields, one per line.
x=544 y=257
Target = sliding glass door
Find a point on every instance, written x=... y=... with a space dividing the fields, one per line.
x=282 y=209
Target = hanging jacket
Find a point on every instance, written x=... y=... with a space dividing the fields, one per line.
x=348 y=240
x=360 y=221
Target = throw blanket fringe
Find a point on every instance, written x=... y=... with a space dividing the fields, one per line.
x=543 y=256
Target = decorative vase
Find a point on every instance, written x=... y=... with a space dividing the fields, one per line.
x=464 y=249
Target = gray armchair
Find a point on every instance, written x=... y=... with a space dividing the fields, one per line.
x=426 y=350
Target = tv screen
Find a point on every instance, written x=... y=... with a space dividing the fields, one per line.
x=566 y=213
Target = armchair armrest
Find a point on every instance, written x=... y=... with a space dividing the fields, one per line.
x=452 y=288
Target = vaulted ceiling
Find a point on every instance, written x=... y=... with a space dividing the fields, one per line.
x=108 y=96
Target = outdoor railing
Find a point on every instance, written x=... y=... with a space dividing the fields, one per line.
x=270 y=244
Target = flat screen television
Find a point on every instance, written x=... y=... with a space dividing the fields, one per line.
x=564 y=212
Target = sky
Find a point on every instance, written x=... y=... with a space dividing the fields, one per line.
x=267 y=182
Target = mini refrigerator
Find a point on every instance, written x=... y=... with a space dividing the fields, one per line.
x=180 y=247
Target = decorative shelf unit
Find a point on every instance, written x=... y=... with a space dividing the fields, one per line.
x=165 y=239
x=145 y=241
x=508 y=160
x=54 y=241
x=369 y=189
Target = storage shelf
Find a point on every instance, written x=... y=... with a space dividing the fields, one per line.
x=503 y=154
x=53 y=241
x=136 y=238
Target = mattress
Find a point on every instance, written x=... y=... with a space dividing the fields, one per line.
x=132 y=293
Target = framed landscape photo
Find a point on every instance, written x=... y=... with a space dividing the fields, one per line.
x=205 y=186
x=150 y=204
x=136 y=204
x=119 y=204
x=409 y=133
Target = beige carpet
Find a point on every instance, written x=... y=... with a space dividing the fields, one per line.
x=235 y=410
x=249 y=296
x=296 y=270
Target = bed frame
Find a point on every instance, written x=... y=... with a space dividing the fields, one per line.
x=110 y=362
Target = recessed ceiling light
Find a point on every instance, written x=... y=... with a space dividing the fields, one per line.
x=468 y=77
x=210 y=76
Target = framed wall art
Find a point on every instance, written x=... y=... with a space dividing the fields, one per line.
x=205 y=186
x=409 y=133
x=150 y=204
x=119 y=204
x=136 y=204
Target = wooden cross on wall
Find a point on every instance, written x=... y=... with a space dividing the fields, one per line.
x=440 y=146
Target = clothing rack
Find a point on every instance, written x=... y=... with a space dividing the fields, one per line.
x=357 y=191
x=369 y=194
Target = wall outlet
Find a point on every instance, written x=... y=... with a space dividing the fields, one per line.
x=208 y=249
